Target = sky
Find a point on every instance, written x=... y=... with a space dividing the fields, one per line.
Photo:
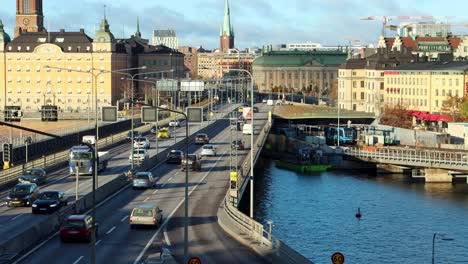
x=256 y=22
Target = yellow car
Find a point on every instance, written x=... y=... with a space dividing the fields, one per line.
x=241 y=109
x=164 y=133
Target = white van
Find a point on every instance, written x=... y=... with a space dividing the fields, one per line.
x=269 y=102
x=247 y=129
x=89 y=139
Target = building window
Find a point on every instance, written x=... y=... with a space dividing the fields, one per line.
x=282 y=76
x=354 y=84
x=437 y=92
x=457 y=81
x=443 y=91
x=443 y=82
x=363 y=84
x=436 y=103
x=362 y=96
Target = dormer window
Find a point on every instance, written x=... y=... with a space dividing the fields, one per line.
x=60 y=40
x=19 y=48
x=42 y=40
x=9 y=48
x=69 y=48
x=28 y=48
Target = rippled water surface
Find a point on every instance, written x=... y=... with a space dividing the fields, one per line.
x=315 y=214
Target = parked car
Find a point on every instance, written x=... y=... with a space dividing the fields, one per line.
x=193 y=161
x=264 y=101
x=164 y=133
x=143 y=179
x=175 y=156
x=77 y=228
x=139 y=155
x=33 y=175
x=174 y=123
x=131 y=135
x=239 y=145
x=141 y=143
x=23 y=194
x=208 y=150
x=146 y=215
x=247 y=129
x=202 y=138
x=49 y=201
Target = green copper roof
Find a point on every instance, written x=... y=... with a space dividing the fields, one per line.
x=104 y=34
x=227 y=28
x=4 y=37
x=301 y=58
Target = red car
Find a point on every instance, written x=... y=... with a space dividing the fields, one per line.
x=202 y=138
x=77 y=228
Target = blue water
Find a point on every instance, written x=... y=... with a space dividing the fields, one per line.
x=315 y=215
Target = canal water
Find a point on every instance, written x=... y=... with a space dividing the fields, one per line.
x=315 y=215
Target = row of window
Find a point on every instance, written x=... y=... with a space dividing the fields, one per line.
x=59 y=80
x=49 y=58
x=422 y=81
x=304 y=75
x=27 y=68
x=49 y=91
x=422 y=92
x=59 y=100
x=413 y=102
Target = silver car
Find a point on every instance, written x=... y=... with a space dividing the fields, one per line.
x=143 y=179
x=33 y=175
x=208 y=150
x=141 y=143
x=146 y=215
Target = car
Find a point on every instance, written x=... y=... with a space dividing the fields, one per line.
x=143 y=179
x=264 y=101
x=139 y=155
x=174 y=123
x=279 y=102
x=141 y=143
x=164 y=133
x=33 y=175
x=240 y=109
x=78 y=228
x=255 y=109
x=23 y=194
x=154 y=129
x=175 y=156
x=131 y=135
x=202 y=138
x=49 y=201
x=239 y=145
x=146 y=215
x=193 y=161
x=245 y=105
x=208 y=150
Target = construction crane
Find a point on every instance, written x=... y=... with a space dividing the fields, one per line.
x=386 y=19
x=410 y=28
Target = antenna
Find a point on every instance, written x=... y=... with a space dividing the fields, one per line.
x=104 y=11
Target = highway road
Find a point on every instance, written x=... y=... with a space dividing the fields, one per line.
x=117 y=243
x=15 y=220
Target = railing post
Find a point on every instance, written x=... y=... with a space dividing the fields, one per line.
x=44 y=158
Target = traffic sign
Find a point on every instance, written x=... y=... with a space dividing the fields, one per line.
x=109 y=114
x=337 y=258
x=194 y=260
x=149 y=114
x=194 y=114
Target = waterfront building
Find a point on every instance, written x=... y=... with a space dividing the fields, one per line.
x=424 y=29
x=216 y=64
x=28 y=82
x=165 y=37
x=226 y=34
x=361 y=80
x=425 y=86
x=190 y=59
x=461 y=53
x=298 y=71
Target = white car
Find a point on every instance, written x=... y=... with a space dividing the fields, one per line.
x=141 y=143
x=208 y=150
x=174 y=123
x=139 y=155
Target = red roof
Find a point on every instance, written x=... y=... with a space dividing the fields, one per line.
x=409 y=42
x=440 y=39
x=454 y=42
x=389 y=42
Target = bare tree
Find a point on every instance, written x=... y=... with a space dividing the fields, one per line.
x=396 y=116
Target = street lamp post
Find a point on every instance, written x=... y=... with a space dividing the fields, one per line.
x=132 y=101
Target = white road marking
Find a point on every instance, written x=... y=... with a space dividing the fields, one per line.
x=123 y=219
x=110 y=230
x=142 y=253
x=166 y=237
x=147 y=198
x=157 y=190
x=14 y=218
x=97 y=243
x=78 y=260
x=170 y=179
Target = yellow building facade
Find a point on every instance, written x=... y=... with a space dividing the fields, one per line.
x=425 y=86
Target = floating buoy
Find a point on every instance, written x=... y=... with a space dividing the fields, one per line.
x=358 y=214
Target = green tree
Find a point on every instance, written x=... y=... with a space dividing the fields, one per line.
x=464 y=108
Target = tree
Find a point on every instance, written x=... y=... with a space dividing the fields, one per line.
x=452 y=105
x=396 y=116
x=464 y=108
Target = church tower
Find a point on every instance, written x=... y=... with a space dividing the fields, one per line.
x=226 y=32
x=29 y=16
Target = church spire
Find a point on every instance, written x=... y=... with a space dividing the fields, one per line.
x=227 y=28
x=138 y=33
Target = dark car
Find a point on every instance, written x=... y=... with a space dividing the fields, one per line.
x=237 y=145
x=23 y=194
x=49 y=201
x=202 y=138
x=255 y=109
x=77 y=228
x=154 y=129
x=130 y=135
x=193 y=161
x=175 y=156
x=33 y=175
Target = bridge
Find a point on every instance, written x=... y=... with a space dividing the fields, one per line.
x=218 y=231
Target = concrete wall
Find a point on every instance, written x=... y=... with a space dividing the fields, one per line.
x=437 y=176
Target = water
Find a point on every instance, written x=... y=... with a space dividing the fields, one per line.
x=315 y=215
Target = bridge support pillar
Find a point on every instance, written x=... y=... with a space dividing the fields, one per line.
x=437 y=175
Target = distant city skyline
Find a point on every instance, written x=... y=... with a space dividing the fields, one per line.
x=256 y=22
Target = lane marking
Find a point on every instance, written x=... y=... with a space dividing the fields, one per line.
x=14 y=218
x=97 y=243
x=146 y=199
x=170 y=179
x=110 y=230
x=166 y=237
x=157 y=190
x=123 y=219
x=78 y=260
x=142 y=253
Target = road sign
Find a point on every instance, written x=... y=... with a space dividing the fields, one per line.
x=194 y=114
x=109 y=114
x=194 y=260
x=192 y=86
x=337 y=258
x=148 y=114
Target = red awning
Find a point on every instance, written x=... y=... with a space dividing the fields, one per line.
x=422 y=115
x=445 y=118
